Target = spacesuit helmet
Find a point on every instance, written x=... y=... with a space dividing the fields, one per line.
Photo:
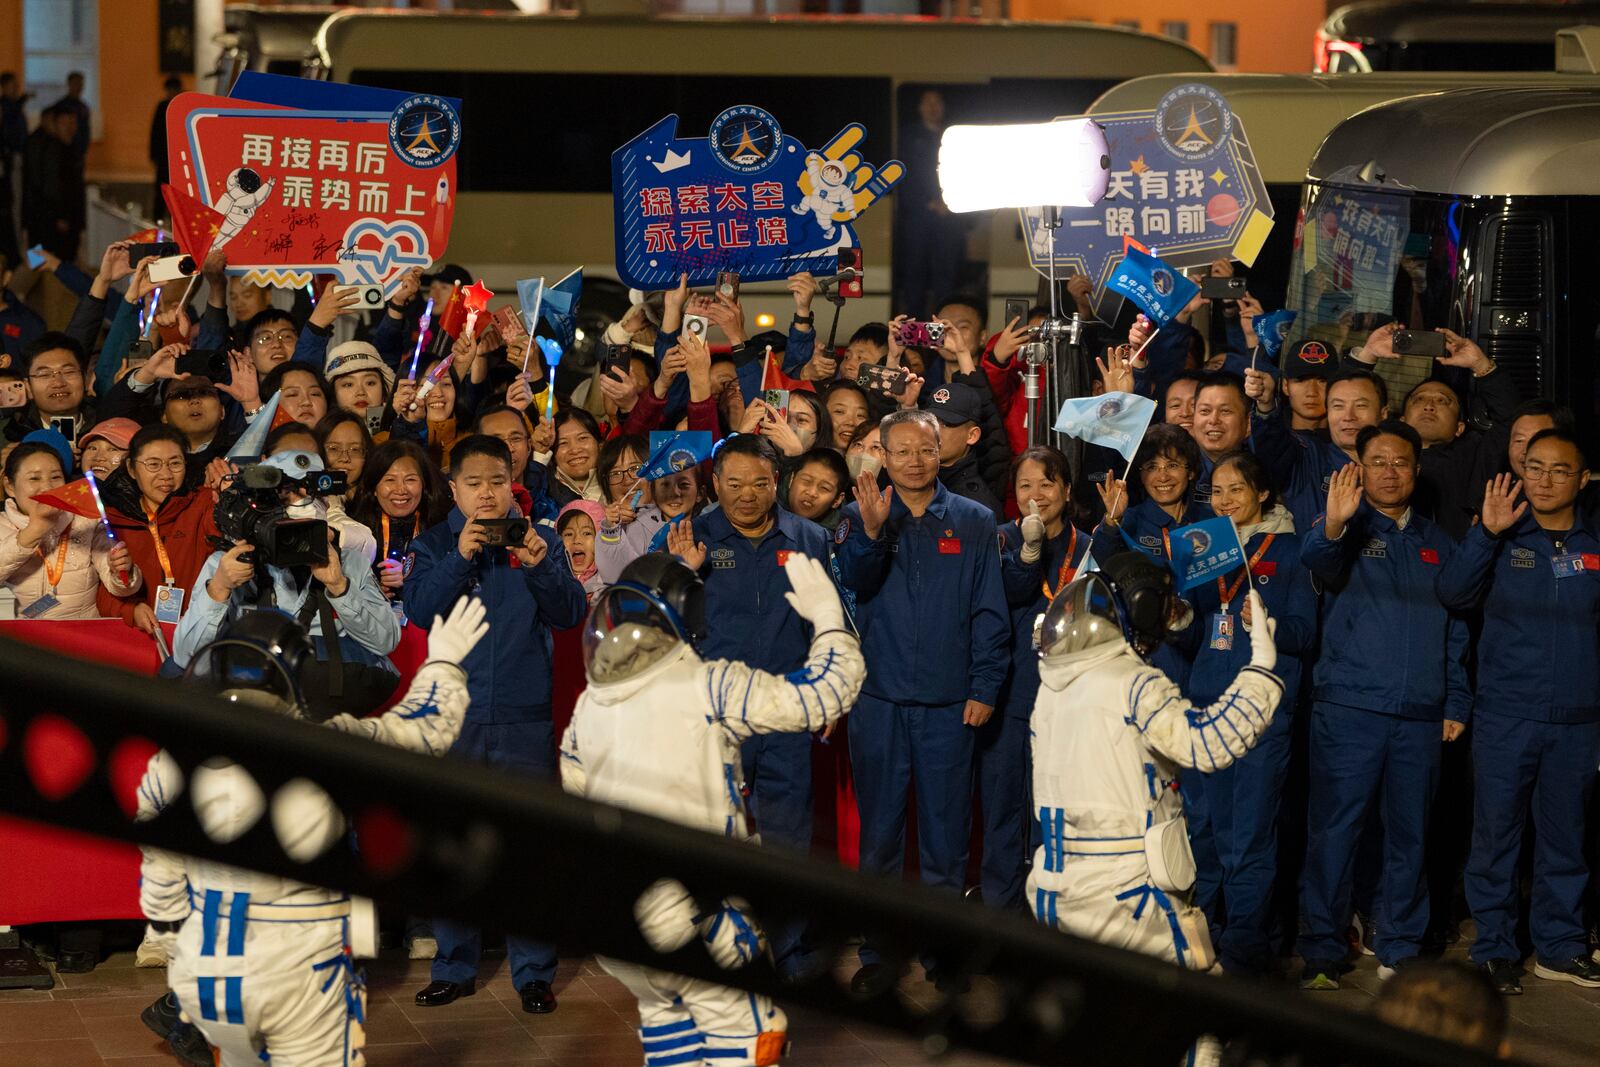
x=1130 y=598
x=257 y=662
x=656 y=605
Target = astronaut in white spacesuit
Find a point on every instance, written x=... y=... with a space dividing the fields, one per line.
x=262 y=965
x=830 y=194
x=658 y=731
x=1109 y=734
x=238 y=204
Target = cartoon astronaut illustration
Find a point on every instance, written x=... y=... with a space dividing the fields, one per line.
x=830 y=194
x=238 y=205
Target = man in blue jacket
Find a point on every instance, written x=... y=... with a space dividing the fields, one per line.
x=1535 y=569
x=931 y=606
x=741 y=551
x=1391 y=683
x=529 y=590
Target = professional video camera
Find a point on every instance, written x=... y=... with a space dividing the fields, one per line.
x=253 y=509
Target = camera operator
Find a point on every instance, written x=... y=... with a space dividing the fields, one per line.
x=266 y=562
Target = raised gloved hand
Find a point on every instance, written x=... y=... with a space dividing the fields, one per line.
x=1263 y=651
x=451 y=639
x=1032 y=533
x=814 y=598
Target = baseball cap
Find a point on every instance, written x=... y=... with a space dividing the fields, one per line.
x=118 y=432
x=1310 y=359
x=295 y=464
x=954 y=404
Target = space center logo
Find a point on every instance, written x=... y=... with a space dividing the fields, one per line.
x=1162 y=281
x=680 y=459
x=424 y=130
x=746 y=139
x=1110 y=408
x=1199 y=541
x=1194 y=122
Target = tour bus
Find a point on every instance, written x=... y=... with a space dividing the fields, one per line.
x=1483 y=209
x=547 y=98
x=1287 y=116
x=1419 y=35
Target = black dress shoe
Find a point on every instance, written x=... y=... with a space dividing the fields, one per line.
x=873 y=979
x=1503 y=973
x=538 y=998
x=438 y=994
x=74 y=961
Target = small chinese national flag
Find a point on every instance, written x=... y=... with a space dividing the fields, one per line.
x=194 y=225
x=75 y=497
x=772 y=377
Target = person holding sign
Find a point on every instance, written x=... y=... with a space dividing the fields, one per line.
x=1534 y=567
x=1390 y=684
x=1234 y=827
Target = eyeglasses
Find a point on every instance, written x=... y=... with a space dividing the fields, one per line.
x=156 y=466
x=1162 y=466
x=344 y=452
x=65 y=374
x=1401 y=465
x=920 y=453
x=622 y=474
x=266 y=337
x=1538 y=472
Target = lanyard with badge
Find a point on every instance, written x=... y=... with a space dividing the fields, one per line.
x=1068 y=570
x=1567 y=564
x=1222 y=621
x=52 y=574
x=169 y=598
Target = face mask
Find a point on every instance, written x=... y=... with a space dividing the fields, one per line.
x=863 y=462
x=807 y=437
x=309 y=508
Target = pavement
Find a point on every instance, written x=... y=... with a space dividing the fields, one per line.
x=92 y=1020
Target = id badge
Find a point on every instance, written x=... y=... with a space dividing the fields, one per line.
x=169 y=604
x=1567 y=564
x=40 y=606
x=1222 y=632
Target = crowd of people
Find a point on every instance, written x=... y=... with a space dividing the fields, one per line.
x=1430 y=562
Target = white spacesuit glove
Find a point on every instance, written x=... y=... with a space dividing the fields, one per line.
x=814 y=598
x=1263 y=650
x=1032 y=533
x=451 y=639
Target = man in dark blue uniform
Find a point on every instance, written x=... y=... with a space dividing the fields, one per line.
x=529 y=590
x=1535 y=569
x=929 y=599
x=958 y=410
x=741 y=551
x=1390 y=686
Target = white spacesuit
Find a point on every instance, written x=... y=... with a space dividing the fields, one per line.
x=238 y=205
x=1109 y=733
x=262 y=964
x=658 y=731
x=830 y=194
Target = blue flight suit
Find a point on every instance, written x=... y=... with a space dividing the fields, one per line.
x=1393 y=667
x=1235 y=835
x=20 y=326
x=934 y=630
x=1148 y=527
x=508 y=679
x=1300 y=464
x=1536 y=728
x=1004 y=759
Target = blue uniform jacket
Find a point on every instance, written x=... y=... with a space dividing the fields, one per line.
x=747 y=617
x=1285 y=588
x=508 y=673
x=1389 y=645
x=1539 y=656
x=1300 y=465
x=1025 y=596
x=929 y=601
x=1146 y=526
x=19 y=326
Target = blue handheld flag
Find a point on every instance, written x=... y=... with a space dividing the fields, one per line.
x=1113 y=420
x=674 y=450
x=561 y=307
x=1272 y=330
x=254 y=439
x=1205 y=550
x=1159 y=290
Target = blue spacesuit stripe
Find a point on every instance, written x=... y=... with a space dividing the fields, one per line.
x=666 y=1028
x=1038 y=904
x=233 y=1000
x=694 y=1055
x=208 y=923
x=667 y=1044
x=238 y=920
x=1052 y=899
x=207 y=990
x=724 y=1053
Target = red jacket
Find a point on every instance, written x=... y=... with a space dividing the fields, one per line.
x=186 y=524
x=1005 y=382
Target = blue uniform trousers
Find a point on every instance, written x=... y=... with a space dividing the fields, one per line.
x=1004 y=782
x=1549 y=767
x=523 y=748
x=1358 y=759
x=894 y=747
x=1236 y=849
x=777 y=777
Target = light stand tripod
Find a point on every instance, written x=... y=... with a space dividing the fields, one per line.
x=1056 y=366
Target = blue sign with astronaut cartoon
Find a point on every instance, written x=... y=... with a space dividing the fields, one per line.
x=1183 y=183
x=747 y=198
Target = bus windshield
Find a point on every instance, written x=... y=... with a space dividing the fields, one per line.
x=1363 y=258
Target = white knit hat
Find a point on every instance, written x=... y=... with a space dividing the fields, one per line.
x=357 y=355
